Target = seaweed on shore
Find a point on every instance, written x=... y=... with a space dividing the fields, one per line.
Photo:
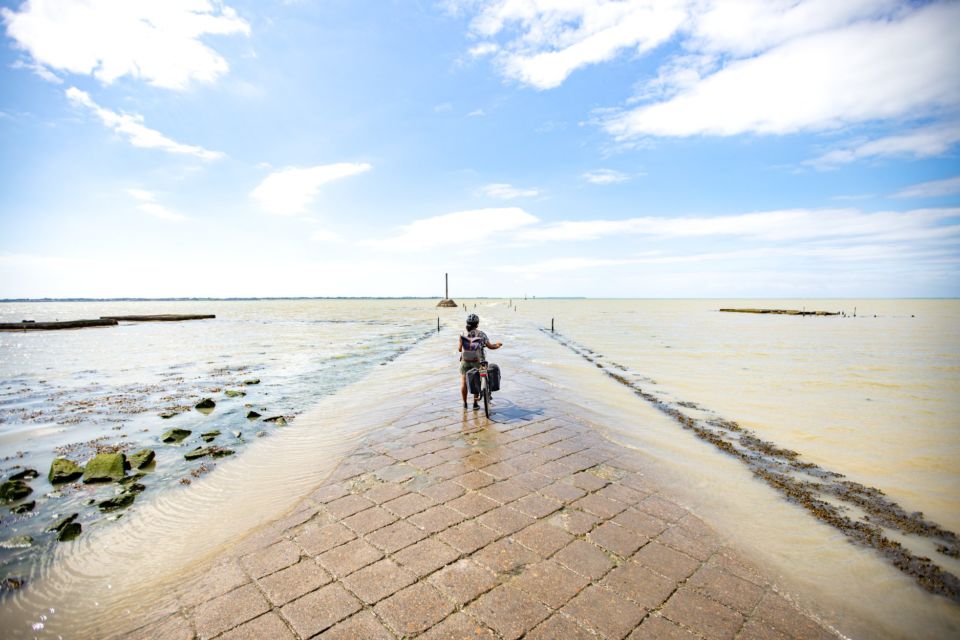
x=811 y=486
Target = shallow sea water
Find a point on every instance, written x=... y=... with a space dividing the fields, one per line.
x=875 y=398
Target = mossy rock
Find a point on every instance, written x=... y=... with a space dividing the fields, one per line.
x=26 y=474
x=121 y=501
x=63 y=470
x=233 y=393
x=105 y=467
x=206 y=403
x=166 y=415
x=134 y=478
x=214 y=452
x=210 y=436
x=277 y=420
x=252 y=415
x=175 y=435
x=25 y=507
x=63 y=522
x=252 y=381
x=141 y=458
x=199 y=452
x=135 y=487
x=69 y=532
x=12 y=490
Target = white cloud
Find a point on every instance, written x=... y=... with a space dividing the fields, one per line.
x=149 y=205
x=869 y=70
x=444 y=107
x=484 y=49
x=158 y=41
x=932 y=189
x=791 y=225
x=38 y=69
x=326 y=236
x=745 y=66
x=131 y=126
x=824 y=255
x=455 y=229
x=477 y=112
x=746 y=27
x=290 y=191
x=503 y=191
x=605 y=176
x=923 y=142
x=557 y=37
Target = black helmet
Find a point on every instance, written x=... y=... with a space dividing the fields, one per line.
x=473 y=320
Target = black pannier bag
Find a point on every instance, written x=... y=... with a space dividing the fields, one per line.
x=493 y=377
x=473 y=381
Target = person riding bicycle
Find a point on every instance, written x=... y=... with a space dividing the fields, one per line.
x=471 y=345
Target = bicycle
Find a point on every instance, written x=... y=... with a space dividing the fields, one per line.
x=482 y=370
x=484 y=387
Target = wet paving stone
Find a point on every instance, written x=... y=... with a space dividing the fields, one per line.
x=228 y=611
x=320 y=610
x=445 y=525
x=509 y=612
x=415 y=609
x=550 y=583
x=294 y=581
x=463 y=581
x=703 y=615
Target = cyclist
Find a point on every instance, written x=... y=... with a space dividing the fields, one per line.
x=471 y=345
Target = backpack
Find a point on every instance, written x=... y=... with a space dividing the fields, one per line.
x=473 y=344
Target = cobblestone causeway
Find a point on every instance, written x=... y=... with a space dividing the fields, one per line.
x=446 y=525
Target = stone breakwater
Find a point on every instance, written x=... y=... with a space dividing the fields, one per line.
x=864 y=514
x=446 y=525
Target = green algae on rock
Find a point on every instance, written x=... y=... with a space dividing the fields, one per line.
x=141 y=458
x=252 y=415
x=63 y=470
x=121 y=501
x=175 y=435
x=105 y=467
x=69 y=532
x=63 y=522
x=26 y=474
x=207 y=404
x=214 y=452
x=166 y=415
x=12 y=490
x=252 y=381
x=233 y=393
x=210 y=436
x=25 y=507
x=277 y=420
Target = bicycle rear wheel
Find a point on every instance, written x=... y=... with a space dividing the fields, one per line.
x=486 y=397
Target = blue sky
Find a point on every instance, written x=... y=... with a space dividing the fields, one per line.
x=642 y=149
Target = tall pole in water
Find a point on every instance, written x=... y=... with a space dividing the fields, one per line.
x=446 y=286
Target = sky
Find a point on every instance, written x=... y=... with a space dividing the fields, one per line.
x=600 y=148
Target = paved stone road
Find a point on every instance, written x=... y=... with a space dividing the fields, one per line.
x=445 y=525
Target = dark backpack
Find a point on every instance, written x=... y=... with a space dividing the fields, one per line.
x=472 y=347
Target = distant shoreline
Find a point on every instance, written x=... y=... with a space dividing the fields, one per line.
x=515 y=298
x=276 y=298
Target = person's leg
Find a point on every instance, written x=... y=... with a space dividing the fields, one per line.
x=463 y=388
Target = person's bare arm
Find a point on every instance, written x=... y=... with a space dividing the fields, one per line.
x=459 y=345
x=494 y=345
